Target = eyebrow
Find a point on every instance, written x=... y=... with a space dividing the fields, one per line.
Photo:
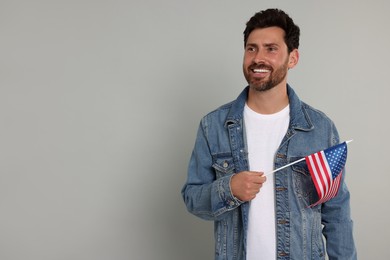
x=251 y=45
x=264 y=45
x=271 y=45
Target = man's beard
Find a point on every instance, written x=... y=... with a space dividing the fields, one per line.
x=274 y=79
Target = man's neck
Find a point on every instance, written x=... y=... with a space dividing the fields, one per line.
x=268 y=102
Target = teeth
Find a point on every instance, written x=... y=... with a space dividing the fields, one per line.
x=260 y=70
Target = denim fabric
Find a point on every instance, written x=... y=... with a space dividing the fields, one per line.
x=220 y=151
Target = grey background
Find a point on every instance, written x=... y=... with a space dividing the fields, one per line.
x=100 y=102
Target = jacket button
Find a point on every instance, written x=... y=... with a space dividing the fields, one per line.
x=282 y=221
x=225 y=164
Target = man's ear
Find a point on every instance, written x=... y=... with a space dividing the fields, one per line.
x=293 y=58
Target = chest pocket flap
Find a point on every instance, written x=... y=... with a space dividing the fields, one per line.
x=223 y=165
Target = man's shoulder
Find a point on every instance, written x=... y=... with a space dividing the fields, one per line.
x=314 y=111
x=316 y=116
x=223 y=109
x=218 y=116
x=234 y=107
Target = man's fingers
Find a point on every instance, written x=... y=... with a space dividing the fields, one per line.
x=259 y=178
x=246 y=185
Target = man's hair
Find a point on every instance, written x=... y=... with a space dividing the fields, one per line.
x=278 y=18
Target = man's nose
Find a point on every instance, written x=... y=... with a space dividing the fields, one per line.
x=259 y=57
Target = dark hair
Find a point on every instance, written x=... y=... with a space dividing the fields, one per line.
x=278 y=18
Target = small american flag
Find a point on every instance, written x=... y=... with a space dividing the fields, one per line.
x=326 y=170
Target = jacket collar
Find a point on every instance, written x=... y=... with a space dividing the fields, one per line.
x=299 y=118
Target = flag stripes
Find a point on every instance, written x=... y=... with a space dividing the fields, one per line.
x=326 y=170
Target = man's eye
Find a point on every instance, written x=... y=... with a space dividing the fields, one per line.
x=251 y=49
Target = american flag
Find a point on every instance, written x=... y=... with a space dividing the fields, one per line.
x=326 y=170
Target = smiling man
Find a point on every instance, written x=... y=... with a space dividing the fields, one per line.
x=266 y=127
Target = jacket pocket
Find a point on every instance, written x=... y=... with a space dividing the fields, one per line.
x=223 y=165
x=303 y=184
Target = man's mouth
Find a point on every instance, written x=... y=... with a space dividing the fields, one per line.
x=260 y=70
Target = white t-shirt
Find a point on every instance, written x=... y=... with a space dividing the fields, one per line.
x=264 y=135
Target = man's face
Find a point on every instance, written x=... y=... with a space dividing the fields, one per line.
x=266 y=59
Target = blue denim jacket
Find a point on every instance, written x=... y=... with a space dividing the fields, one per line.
x=220 y=151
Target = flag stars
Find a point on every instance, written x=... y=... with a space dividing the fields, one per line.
x=337 y=157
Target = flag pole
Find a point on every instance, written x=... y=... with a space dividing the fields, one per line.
x=294 y=162
x=278 y=169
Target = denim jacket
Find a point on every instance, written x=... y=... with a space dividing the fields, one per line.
x=220 y=151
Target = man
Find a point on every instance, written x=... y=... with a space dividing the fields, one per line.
x=266 y=127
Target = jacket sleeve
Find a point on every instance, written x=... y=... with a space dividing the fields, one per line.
x=338 y=225
x=204 y=195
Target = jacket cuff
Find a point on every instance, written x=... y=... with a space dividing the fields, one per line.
x=225 y=193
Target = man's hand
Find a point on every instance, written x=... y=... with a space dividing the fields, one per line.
x=245 y=185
